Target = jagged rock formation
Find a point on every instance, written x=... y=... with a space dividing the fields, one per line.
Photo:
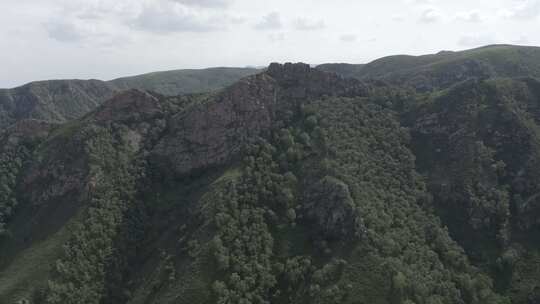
x=331 y=206
x=211 y=133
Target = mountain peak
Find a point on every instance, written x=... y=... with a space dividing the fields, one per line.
x=277 y=69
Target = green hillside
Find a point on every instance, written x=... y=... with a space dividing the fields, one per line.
x=178 y=82
x=293 y=185
x=442 y=70
x=64 y=100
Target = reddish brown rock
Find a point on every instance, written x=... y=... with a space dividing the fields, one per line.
x=213 y=132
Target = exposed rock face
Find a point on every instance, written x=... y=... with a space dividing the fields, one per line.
x=129 y=106
x=330 y=205
x=212 y=132
x=300 y=81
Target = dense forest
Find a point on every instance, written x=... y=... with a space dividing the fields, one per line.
x=408 y=180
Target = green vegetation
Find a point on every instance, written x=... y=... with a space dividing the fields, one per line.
x=184 y=81
x=11 y=161
x=444 y=69
x=293 y=186
x=60 y=101
x=91 y=255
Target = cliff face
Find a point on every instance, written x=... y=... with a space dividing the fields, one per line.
x=212 y=132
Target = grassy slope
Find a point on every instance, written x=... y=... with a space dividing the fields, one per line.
x=31 y=267
x=184 y=81
x=505 y=61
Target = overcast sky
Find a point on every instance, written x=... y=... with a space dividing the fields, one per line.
x=104 y=39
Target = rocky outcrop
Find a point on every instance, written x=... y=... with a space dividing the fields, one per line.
x=300 y=81
x=329 y=204
x=212 y=132
x=129 y=106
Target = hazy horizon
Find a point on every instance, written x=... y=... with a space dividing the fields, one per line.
x=95 y=39
x=215 y=67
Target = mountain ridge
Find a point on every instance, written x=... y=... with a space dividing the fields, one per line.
x=433 y=71
x=64 y=100
x=293 y=185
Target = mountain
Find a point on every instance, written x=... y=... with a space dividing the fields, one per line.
x=293 y=185
x=442 y=70
x=179 y=82
x=54 y=101
x=64 y=100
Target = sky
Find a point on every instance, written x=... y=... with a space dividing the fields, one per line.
x=105 y=39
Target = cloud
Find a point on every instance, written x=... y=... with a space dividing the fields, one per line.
x=90 y=15
x=521 y=40
x=476 y=40
x=235 y=19
x=523 y=10
x=63 y=31
x=471 y=16
x=276 y=37
x=303 y=24
x=170 y=19
x=398 y=18
x=418 y=1
x=81 y=34
x=205 y=3
x=100 y=10
x=271 y=21
x=430 y=15
x=348 y=38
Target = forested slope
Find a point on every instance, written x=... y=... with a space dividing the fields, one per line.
x=294 y=185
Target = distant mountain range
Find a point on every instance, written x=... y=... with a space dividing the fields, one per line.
x=445 y=68
x=63 y=100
